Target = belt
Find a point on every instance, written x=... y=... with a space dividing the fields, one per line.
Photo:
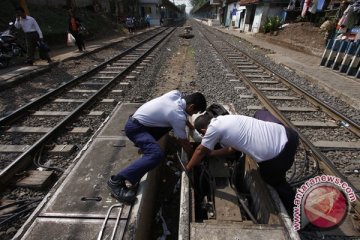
x=134 y=120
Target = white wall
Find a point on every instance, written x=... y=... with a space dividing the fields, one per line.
x=228 y=12
x=260 y=11
x=240 y=9
x=236 y=18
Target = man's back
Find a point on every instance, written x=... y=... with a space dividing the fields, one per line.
x=167 y=110
x=262 y=140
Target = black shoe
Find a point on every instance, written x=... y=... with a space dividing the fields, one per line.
x=120 y=191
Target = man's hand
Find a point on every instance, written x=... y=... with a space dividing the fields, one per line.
x=199 y=153
x=187 y=146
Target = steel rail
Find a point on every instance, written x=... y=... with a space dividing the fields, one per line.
x=25 y=158
x=84 y=54
x=326 y=164
x=338 y=116
x=43 y=99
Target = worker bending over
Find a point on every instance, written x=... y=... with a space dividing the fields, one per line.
x=264 y=138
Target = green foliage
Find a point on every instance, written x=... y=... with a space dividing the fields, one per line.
x=271 y=24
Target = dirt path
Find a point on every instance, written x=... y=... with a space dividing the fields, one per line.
x=179 y=71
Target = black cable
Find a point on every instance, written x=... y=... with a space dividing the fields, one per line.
x=13 y=203
x=37 y=159
x=16 y=212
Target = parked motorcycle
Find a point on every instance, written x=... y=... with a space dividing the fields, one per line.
x=9 y=47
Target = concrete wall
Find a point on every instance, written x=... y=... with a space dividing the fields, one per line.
x=275 y=11
x=60 y=3
x=261 y=11
x=228 y=14
x=247 y=24
x=104 y=4
x=236 y=18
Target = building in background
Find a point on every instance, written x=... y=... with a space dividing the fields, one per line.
x=163 y=10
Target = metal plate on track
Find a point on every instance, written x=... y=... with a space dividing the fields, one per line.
x=115 y=127
x=84 y=193
x=220 y=231
x=226 y=205
x=74 y=229
x=77 y=196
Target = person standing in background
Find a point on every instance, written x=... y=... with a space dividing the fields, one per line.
x=130 y=24
x=33 y=34
x=74 y=26
x=147 y=20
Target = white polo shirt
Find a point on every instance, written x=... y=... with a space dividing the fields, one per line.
x=167 y=110
x=28 y=24
x=259 y=139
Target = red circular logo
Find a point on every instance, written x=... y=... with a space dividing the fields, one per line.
x=325 y=206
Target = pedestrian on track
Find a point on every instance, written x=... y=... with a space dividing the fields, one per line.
x=33 y=35
x=74 y=28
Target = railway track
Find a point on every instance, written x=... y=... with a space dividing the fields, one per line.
x=65 y=71
x=307 y=163
x=329 y=139
x=57 y=111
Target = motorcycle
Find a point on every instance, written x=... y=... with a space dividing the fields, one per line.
x=9 y=47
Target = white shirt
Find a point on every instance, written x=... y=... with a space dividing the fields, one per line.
x=28 y=24
x=167 y=110
x=259 y=139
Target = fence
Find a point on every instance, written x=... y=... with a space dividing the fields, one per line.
x=342 y=56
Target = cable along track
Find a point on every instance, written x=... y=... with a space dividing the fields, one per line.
x=58 y=109
x=329 y=141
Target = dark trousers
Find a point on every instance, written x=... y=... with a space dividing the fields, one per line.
x=146 y=139
x=273 y=171
x=32 y=39
x=79 y=41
